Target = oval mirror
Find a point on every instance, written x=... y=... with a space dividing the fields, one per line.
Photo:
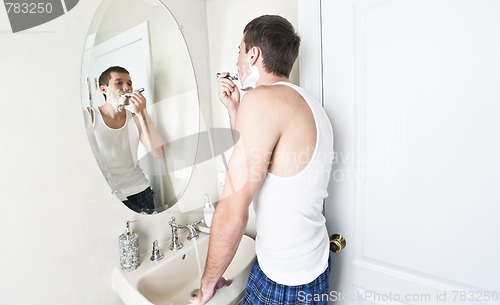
x=130 y=142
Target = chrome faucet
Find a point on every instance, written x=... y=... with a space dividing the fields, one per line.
x=176 y=244
x=192 y=229
x=156 y=254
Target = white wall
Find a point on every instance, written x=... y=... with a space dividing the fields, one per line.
x=59 y=222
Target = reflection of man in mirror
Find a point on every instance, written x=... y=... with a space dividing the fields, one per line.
x=282 y=162
x=118 y=139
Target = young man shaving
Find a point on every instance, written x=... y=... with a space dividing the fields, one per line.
x=282 y=163
x=118 y=144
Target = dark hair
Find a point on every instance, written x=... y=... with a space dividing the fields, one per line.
x=106 y=75
x=276 y=38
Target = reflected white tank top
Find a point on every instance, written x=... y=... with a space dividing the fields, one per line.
x=292 y=241
x=118 y=149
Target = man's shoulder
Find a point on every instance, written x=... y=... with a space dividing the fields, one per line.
x=266 y=96
x=259 y=92
x=261 y=105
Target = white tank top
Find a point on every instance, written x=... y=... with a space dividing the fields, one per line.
x=292 y=241
x=118 y=149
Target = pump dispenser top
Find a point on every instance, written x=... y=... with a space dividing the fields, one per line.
x=127 y=225
x=208 y=211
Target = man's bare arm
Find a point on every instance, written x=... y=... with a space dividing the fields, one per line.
x=149 y=135
x=259 y=133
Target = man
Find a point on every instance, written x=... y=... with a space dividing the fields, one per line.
x=282 y=162
x=117 y=142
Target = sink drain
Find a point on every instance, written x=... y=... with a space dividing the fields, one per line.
x=195 y=292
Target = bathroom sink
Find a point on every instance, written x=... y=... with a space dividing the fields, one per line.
x=172 y=280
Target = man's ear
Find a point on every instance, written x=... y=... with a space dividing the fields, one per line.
x=254 y=54
x=103 y=89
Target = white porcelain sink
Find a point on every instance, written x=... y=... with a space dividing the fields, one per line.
x=172 y=280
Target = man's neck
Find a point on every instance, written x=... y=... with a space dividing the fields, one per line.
x=108 y=111
x=267 y=79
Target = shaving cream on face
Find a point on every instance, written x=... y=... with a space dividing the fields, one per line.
x=117 y=106
x=249 y=76
x=120 y=99
x=114 y=98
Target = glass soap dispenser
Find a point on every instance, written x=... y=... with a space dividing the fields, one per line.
x=208 y=211
x=129 y=249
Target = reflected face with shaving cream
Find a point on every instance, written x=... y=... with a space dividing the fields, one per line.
x=118 y=84
x=248 y=74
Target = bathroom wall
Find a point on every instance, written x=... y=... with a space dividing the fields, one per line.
x=59 y=222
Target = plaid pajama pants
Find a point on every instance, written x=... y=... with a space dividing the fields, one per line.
x=263 y=291
x=141 y=202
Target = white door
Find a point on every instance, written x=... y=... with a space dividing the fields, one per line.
x=413 y=91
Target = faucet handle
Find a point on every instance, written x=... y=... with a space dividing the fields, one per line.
x=194 y=224
x=156 y=254
x=172 y=221
x=175 y=225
